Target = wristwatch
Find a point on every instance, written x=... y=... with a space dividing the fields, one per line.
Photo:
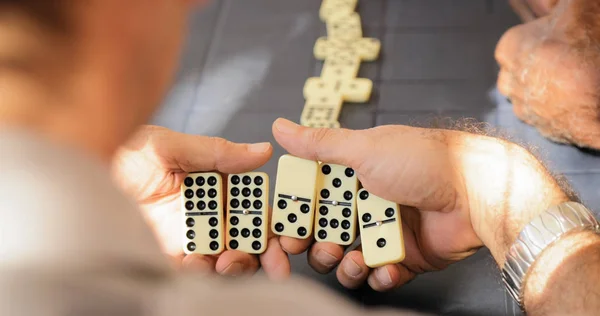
x=541 y=232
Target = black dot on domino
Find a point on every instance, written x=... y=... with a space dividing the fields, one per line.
x=345 y=224
x=322 y=234
x=190 y=222
x=279 y=227
x=191 y=246
x=189 y=193
x=258 y=180
x=304 y=208
x=188 y=182
x=212 y=205
x=245 y=233
x=257 y=204
x=282 y=204
x=235 y=191
x=256 y=233
x=292 y=218
x=212 y=193
x=326 y=169
x=301 y=231
x=246 y=180
x=200 y=193
x=200 y=181
x=323 y=222
x=366 y=217
x=213 y=221
x=189 y=205
x=235 y=180
x=234 y=220
x=257 y=221
x=246 y=204
x=190 y=234
x=201 y=205
x=334 y=223
x=233 y=244
x=213 y=233
x=211 y=181
x=257 y=192
x=234 y=203
x=348 y=195
x=323 y=210
x=324 y=193
x=246 y=192
x=234 y=232
x=349 y=172
x=364 y=195
x=336 y=182
x=345 y=236
x=346 y=212
x=381 y=242
x=389 y=212
x=256 y=245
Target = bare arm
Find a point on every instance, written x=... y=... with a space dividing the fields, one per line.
x=564 y=279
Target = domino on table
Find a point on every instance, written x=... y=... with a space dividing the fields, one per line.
x=332 y=7
x=380 y=230
x=322 y=110
x=344 y=25
x=201 y=195
x=248 y=212
x=350 y=90
x=340 y=68
x=365 y=48
x=335 y=220
x=294 y=200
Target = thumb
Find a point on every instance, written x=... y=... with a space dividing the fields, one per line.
x=200 y=153
x=336 y=146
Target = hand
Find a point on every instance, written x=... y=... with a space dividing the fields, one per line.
x=529 y=10
x=151 y=168
x=550 y=71
x=458 y=191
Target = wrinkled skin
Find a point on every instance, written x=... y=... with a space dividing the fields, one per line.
x=550 y=70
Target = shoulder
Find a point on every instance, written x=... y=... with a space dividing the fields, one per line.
x=61 y=205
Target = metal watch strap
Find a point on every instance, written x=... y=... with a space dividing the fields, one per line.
x=539 y=234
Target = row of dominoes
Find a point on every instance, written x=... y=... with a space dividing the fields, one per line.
x=342 y=50
x=307 y=194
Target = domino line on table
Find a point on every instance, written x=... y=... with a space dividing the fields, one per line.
x=342 y=51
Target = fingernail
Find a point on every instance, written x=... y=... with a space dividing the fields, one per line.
x=233 y=269
x=383 y=276
x=259 y=148
x=325 y=258
x=285 y=126
x=351 y=268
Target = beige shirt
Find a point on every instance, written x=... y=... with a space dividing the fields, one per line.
x=72 y=244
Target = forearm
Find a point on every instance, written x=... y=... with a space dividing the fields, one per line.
x=506 y=188
x=564 y=280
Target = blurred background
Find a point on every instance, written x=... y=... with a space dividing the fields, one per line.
x=246 y=62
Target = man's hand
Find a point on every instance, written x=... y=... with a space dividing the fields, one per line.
x=151 y=168
x=550 y=70
x=458 y=192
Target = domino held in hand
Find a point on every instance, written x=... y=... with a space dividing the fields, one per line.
x=380 y=230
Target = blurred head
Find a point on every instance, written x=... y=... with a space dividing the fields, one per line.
x=97 y=67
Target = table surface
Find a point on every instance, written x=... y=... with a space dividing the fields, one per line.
x=245 y=64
